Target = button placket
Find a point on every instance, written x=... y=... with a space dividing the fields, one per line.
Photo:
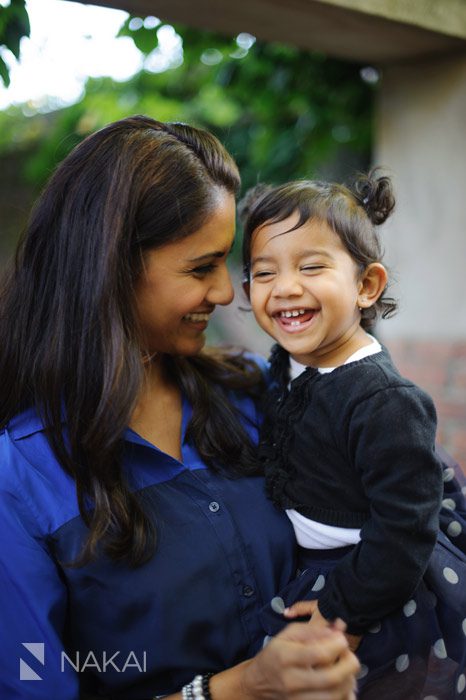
x=248 y=591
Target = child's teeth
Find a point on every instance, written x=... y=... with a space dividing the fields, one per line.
x=291 y=314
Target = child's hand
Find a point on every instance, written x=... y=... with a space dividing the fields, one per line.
x=354 y=640
x=303 y=608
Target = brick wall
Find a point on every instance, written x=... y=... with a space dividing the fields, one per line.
x=440 y=369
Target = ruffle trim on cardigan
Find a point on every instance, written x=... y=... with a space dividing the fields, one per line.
x=285 y=408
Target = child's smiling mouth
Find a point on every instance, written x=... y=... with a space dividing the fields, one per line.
x=292 y=320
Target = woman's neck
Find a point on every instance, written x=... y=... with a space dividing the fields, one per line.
x=157 y=415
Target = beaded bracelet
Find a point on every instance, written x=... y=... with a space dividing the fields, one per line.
x=198 y=689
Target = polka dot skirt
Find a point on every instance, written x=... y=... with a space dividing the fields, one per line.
x=419 y=652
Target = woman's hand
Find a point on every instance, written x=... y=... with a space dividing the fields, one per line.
x=304 y=608
x=301 y=663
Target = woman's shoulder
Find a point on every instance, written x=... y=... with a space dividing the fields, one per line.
x=31 y=478
x=237 y=368
x=235 y=356
x=24 y=424
x=260 y=363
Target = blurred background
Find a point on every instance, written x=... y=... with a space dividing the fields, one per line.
x=316 y=89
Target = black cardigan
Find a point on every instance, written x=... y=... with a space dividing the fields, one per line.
x=355 y=448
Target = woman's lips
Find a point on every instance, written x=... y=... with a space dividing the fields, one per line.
x=197 y=320
x=197 y=317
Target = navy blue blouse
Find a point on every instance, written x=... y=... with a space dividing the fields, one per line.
x=223 y=550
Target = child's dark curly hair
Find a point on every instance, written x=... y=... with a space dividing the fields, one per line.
x=352 y=212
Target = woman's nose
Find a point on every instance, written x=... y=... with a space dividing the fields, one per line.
x=222 y=291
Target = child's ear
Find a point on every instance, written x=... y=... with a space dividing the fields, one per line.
x=371 y=285
x=247 y=287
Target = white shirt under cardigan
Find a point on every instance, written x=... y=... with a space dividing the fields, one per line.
x=310 y=533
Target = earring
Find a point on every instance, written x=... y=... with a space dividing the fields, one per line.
x=147 y=358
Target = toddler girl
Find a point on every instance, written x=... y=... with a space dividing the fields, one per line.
x=349 y=444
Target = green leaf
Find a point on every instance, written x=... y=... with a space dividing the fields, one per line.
x=4 y=72
x=144 y=39
x=277 y=108
x=14 y=25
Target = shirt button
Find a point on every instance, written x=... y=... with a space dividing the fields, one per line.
x=214 y=506
x=248 y=591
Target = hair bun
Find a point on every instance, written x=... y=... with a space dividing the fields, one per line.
x=376 y=196
x=251 y=198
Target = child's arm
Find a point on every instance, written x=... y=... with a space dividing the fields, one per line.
x=310 y=608
x=391 y=438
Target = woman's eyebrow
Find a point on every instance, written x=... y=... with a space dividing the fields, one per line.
x=213 y=254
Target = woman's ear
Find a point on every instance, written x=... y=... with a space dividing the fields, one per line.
x=371 y=285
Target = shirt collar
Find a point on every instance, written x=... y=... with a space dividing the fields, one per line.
x=29 y=422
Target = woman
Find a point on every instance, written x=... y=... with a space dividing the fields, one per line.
x=136 y=543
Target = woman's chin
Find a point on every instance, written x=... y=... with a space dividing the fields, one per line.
x=191 y=348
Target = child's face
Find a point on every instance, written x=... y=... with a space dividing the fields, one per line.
x=305 y=291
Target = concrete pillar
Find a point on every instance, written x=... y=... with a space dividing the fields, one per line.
x=421 y=138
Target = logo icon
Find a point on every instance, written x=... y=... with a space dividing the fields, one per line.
x=26 y=673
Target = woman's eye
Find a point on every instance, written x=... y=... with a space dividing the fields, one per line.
x=203 y=269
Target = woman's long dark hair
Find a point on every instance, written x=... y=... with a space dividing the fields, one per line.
x=69 y=335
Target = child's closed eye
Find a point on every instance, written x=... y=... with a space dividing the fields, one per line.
x=312 y=268
x=262 y=274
